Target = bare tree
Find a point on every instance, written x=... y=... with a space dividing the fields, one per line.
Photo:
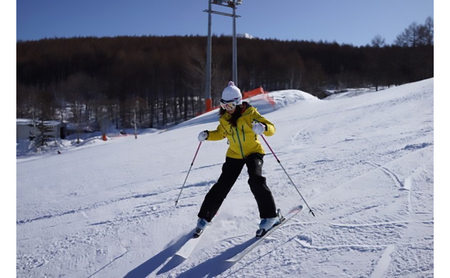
x=378 y=41
x=416 y=35
x=77 y=88
x=427 y=31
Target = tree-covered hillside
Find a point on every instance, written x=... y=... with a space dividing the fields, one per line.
x=161 y=80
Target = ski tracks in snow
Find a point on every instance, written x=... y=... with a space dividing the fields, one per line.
x=391 y=174
x=390 y=223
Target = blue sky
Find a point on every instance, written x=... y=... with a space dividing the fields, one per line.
x=354 y=22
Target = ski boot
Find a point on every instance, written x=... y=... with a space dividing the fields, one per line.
x=201 y=226
x=268 y=223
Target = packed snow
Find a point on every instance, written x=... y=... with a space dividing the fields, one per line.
x=363 y=162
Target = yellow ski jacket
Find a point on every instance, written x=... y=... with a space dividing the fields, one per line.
x=242 y=140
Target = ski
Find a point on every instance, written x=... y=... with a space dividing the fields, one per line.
x=259 y=240
x=189 y=245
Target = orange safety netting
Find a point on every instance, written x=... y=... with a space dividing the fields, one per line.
x=245 y=95
x=259 y=91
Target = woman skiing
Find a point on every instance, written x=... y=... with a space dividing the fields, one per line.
x=241 y=124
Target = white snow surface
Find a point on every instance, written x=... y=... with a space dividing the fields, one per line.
x=363 y=163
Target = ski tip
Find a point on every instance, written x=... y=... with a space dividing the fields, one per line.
x=181 y=256
x=296 y=208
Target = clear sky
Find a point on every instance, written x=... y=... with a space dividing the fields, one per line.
x=354 y=22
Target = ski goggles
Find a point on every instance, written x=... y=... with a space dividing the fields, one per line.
x=228 y=104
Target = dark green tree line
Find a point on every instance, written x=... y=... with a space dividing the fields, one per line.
x=158 y=81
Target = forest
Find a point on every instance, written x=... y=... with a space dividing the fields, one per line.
x=155 y=82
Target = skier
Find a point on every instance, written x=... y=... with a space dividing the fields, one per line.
x=241 y=124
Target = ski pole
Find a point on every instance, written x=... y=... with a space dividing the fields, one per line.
x=192 y=163
x=310 y=210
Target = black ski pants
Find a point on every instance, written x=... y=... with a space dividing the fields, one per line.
x=231 y=170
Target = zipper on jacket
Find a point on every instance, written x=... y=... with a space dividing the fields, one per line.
x=239 y=141
x=232 y=136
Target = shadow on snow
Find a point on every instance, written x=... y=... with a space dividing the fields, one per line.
x=210 y=268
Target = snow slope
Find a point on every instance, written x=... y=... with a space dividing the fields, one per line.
x=363 y=163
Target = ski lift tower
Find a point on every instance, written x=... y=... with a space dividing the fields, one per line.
x=230 y=4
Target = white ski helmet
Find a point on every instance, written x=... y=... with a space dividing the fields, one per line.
x=231 y=92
